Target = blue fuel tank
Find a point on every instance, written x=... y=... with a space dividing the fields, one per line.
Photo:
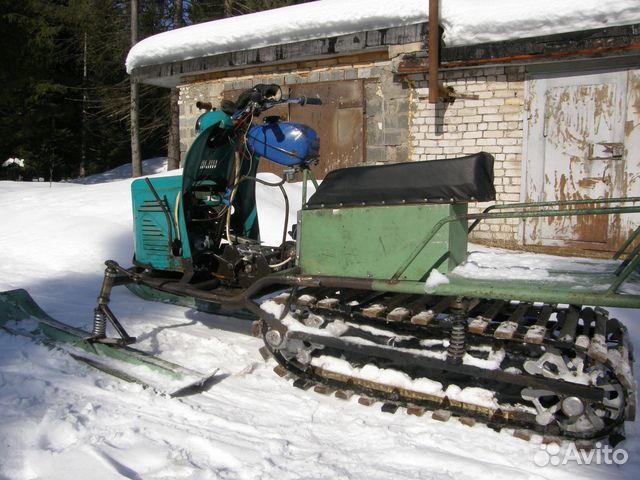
x=286 y=143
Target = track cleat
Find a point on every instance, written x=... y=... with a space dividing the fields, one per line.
x=328 y=303
x=506 y=330
x=422 y=318
x=478 y=325
x=535 y=334
x=374 y=311
x=398 y=314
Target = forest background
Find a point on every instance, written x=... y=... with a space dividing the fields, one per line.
x=65 y=95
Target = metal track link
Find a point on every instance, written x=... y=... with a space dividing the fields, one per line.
x=495 y=419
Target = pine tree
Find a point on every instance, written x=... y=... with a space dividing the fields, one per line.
x=37 y=121
x=173 y=143
x=64 y=102
x=205 y=10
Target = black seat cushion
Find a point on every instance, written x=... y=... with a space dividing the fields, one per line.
x=455 y=180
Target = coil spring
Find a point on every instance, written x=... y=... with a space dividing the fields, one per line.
x=457 y=341
x=99 y=324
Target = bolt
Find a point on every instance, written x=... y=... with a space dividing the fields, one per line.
x=572 y=406
x=304 y=356
x=274 y=338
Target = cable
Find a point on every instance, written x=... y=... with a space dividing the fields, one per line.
x=284 y=262
x=176 y=213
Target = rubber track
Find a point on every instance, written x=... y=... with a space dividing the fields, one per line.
x=499 y=324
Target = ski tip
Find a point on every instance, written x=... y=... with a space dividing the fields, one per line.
x=19 y=305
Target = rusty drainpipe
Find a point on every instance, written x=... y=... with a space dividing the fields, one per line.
x=434 y=60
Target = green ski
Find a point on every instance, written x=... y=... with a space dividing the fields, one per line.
x=21 y=315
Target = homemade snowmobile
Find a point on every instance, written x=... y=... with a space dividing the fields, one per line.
x=368 y=299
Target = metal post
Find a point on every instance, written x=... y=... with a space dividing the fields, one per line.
x=434 y=43
x=305 y=179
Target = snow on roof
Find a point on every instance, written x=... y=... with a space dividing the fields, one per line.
x=465 y=22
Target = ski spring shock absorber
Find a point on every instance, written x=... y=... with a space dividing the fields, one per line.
x=103 y=314
x=99 y=324
x=99 y=317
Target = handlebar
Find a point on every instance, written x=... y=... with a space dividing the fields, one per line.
x=310 y=101
x=263 y=104
x=257 y=100
x=302 y=100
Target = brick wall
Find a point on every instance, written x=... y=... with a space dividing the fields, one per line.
x=492 y=122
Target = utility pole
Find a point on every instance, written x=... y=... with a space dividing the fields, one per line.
x=136 y=162
x=83 y=134
x=173 y=147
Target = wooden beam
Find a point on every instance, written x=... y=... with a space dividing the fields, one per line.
x=410 y=66
x=602 y=42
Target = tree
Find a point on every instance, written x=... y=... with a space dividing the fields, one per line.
x=173 y=148
x=204 y=10
x=136 y=161
x=100 y=36
x=65 y=97
x=37 y=121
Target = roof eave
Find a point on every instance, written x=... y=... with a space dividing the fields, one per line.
x=601 y=43
x=170 y=74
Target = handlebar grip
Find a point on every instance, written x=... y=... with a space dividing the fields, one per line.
x=271 y=90
x=311 y=101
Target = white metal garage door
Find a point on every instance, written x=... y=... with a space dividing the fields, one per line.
x=575 y=150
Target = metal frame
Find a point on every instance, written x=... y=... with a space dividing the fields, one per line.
x=524 y=211
x=483 y=289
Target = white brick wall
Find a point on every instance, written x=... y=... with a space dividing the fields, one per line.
x=492 y=122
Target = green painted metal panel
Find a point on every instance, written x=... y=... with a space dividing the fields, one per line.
x=218 y=160
x=571 y=288
x=151 y=231
x=373 y=242
x=556 y=290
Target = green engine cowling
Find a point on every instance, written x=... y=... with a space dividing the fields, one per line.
x=167 y=235
x=159 y=241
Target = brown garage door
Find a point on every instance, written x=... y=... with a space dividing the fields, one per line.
x=339 y=121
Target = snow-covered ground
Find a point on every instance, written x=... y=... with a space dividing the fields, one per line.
x=60 y=419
